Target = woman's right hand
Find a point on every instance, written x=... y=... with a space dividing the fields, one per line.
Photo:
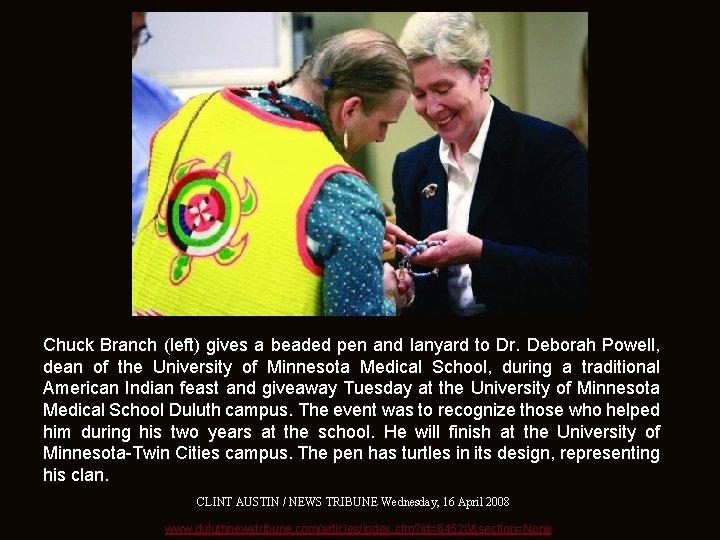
x=457 y=248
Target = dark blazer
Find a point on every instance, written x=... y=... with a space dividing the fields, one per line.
x=530 y=207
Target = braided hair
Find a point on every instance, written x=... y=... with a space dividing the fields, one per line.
x=362 y=62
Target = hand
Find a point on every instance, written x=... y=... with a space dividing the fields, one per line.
x=406 y=285
x=391 y=288
x=392 y=233
x=457 y=248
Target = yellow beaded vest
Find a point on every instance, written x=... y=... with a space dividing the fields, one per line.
x=223 y=228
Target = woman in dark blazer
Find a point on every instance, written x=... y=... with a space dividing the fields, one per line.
x=506 y=193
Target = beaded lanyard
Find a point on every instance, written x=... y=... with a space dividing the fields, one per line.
x=276 y=99
x=422 y=245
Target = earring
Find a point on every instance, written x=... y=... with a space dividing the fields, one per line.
x=485 y=88
x=345 y=139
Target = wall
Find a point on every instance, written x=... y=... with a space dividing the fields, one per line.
x=198 y=52
x=552 y=50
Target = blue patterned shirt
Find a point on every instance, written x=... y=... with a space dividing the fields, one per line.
x=345 y=228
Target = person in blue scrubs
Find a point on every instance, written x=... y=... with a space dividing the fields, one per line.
x=152 y=105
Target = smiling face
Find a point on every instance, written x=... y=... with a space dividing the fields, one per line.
x=450 y=100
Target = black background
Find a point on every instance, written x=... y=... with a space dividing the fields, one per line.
x=79 y=285
x=588 y=500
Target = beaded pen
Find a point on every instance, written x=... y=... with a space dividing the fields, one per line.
x=422 y=245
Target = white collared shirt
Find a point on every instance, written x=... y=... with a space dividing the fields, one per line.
x=461 y=186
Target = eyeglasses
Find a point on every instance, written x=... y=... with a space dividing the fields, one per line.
x=142 y=35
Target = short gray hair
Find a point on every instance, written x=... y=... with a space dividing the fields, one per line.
x=451 y=37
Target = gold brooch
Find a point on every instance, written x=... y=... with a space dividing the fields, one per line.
x=429 y=190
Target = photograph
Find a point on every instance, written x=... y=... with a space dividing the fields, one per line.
x=526 y=376
x=408 y=165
